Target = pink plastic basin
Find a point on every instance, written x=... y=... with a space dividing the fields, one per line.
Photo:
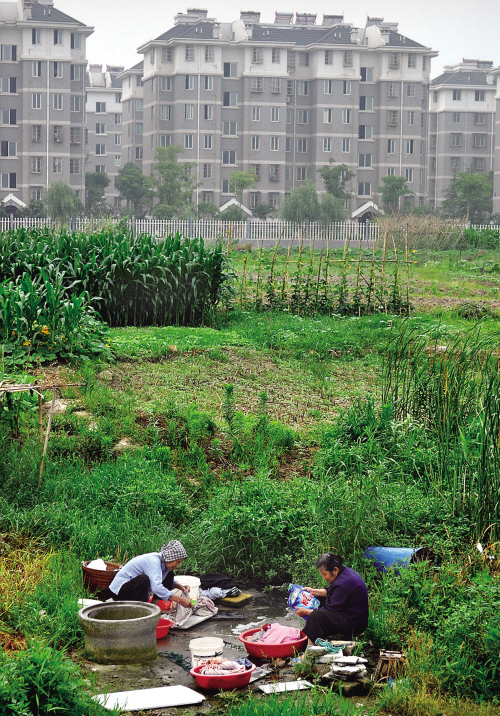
x=224 y=681
x=163 y=627
x=272 y=651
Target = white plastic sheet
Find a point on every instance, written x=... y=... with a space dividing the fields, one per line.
x=165 y=696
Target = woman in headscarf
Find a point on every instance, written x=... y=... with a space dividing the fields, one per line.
x=151 y=573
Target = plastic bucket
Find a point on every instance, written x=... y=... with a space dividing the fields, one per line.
x=205 y=648
x=192 y=582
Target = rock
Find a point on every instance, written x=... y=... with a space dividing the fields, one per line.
x=347 y=646
x=316 y=650
x=326 y=658
x=124 y=444
x=106 y=376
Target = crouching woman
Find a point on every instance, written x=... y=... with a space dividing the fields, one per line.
x=344 y=604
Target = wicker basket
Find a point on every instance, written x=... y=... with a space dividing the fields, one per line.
x=97 y=579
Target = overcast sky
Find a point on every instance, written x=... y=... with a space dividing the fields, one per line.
x=456 y=28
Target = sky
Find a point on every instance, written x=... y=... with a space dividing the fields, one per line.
x=456 y=28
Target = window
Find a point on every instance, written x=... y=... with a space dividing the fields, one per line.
x=434 y=96
x=346 y=116
x=288 y=144
x=392 y=117
x=256 y=84
x=165 y=84
x=188 y=111
x=410 y=117
x=364 y=188
x=302 y=88
x=57 y=68
x=302 y=116
x=456 y=117
x=274 y=172
x=257 y=55
x=57 y=165
x=100 y=128
x=139 y=128
x=301 y=173
x=8 y=149
x=478 y=163
x=256 y=170
x=9 y=116
x=455 y=163
x=274 y=143
x=118 y=119
x=207 y=141
x=209 y=53
x=36 y=165
x=8 y=85
x=365 y=131
x=229 y=156
x=118 y=140
x=366 y=74
x=346 y=145
x=409 y=175
x=57 y=133
x=289 y=88
x=9 y=181
x=188 y=141
x=275 y=114
x=327 y=116
x=74 y=166
x=166 y=55
x=479 y=96
x=208 y=111
x=328 y=57
x=365 y=160
x=255 y=143
x=100 y=107
x=346 y=87
x=36 y=193
x=421 y=177
x=76 y=41
x=276 y=56
x=207 y=171
x=456 y=140
x=365 y=103
x=75 y=135
x=230 y=69
x=57 y=101
x=301 y=145
x=229 y=129
x=36 y=100
x=36 y=132
x=393 y=89
x=412 y=60
x=433 y=140
x=254 y=199
x=229 y=99
x=394 y=60
x=165 y=112
x=347 y=58
x=36 y=36
x=100 y=150
x=189 y=82
x=479 y=118
x=410 y=89
x=8 y=53
x=225 y=186
x=274 y=199
x=409 y=146
x=391 y=146
x=117 y=160
x=255 y=114
x=165 y=141
x=479 y=140
x=327 y=144
x=275 y=85
x=303 y=59
x=75 y=73
x=58 y=37
x=457 y=95
x=209 y=83
x=36 y=68
x=189 y=53
x=139 y=105
x=391 y=172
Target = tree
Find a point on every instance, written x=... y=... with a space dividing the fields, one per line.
x=208 y=210
x=262 y=211
x=132 y=185
x=392 y=189
x=234 y=213
x=62 y=201
x=240 y=181
x=469 y=196
x=301 y=204
x=172 y=183
x=34 y=210
x=335 y=179
x=331 y=209
x=95 y=186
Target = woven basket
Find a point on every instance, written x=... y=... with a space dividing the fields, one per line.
x=95 y=579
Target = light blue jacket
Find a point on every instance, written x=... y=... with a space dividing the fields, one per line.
x=150 y=564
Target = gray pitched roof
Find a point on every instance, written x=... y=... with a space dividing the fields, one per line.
x=190 y=31
x=462 y=77
x=38 y=15
x=138 y=66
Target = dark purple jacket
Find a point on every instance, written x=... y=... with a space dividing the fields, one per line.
x=348 y=597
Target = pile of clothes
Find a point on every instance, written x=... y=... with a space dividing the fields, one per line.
x=218 y=586
x=204 y=607
x=275 y=634
x=218 y=666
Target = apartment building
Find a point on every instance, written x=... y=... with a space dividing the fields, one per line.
x=132 y=114
x=282 y=99
x=103 y=125
x=462 y=111
x=42 y=98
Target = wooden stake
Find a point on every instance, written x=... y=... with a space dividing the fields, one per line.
x=51 y=412
x=40 y=422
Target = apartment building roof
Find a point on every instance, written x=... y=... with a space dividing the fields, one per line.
x=43 y=13
x=462 y=78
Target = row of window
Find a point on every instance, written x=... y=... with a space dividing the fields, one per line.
x=479 y=117
x=8 y=53
x=457 y=140
x=479 y=95
x=76 y=103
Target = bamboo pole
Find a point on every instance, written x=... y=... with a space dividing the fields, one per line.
x=51 y=412
x=40 y=421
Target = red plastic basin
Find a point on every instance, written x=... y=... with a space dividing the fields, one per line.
x=224 y=681
x=272 y=651
x=163 y=627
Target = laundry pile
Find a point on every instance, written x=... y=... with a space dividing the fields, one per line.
x=218 y=586
x=218 y=666
x=204 y=607
x=275 y=634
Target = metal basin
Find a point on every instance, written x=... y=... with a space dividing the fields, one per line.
x=120 y=632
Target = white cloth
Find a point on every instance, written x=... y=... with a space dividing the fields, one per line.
x=99 y=564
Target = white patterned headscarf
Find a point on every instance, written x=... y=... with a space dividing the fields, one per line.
x=173 y=551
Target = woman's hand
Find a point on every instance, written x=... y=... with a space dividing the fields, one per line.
x=303 y=612
x=315 y=592
x=182 y=587
x=180 y=600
